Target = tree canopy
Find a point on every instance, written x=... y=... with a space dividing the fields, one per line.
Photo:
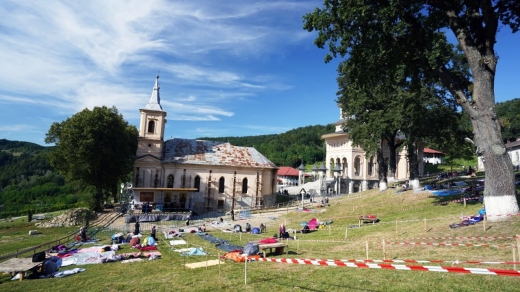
x=289 y=148
x=96 y=147
x=408 y=38
x=509 y=113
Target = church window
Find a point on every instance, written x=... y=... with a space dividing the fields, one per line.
x=170 y=181
x=244 y=186
x=151 y=126
x=197 y=183
x=357 y=166
x=371 y=166
x=221 y=183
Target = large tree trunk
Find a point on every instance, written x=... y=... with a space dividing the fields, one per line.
x=392 y=159
x=413 y=165
x=499 y=194
x=382 y=170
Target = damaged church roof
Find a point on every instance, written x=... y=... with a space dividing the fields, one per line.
x=191 y=151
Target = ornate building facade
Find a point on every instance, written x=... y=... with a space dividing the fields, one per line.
x=354 y=170
x=198 y=175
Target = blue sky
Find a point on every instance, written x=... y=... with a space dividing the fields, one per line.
x=227 y=68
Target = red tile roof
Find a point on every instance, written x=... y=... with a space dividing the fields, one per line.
x=431 y=151
x=287 y=171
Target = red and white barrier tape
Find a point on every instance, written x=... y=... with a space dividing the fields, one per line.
x=502 y=215
x=457 y=262
x=462 y=237
x=461 y=270
x=324 y=240
x=444 y=244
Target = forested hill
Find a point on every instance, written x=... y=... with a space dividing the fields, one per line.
x=28 y=180
x=19 y=147
x=21 y=160
x=289 y=148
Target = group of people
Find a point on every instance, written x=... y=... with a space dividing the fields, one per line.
x=249 y=229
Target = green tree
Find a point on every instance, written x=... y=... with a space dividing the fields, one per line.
x=95 y=146
x=509 y=117
x=409 y=35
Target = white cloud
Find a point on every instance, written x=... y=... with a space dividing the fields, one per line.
x=13 y=128
x=67 y=56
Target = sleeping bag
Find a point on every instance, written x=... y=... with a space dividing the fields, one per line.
x=135 y=241
x=251 y=248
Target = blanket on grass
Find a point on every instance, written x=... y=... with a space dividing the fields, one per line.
x=86 y=258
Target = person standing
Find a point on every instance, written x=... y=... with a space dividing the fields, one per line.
x=83 y=234
x=136 y=229
x=153 y=233
x=232 y=215
x=281 y=230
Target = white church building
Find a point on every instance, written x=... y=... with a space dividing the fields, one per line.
x=355 y=171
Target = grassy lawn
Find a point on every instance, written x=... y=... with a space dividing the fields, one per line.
x=405 y=217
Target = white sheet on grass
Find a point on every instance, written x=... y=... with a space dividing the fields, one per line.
x=177 y=242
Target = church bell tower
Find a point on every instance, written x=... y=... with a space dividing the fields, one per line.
x=151 y=127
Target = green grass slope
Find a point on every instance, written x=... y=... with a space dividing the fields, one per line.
x=406 y=217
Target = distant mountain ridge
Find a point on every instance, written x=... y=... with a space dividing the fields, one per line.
x=19 y=146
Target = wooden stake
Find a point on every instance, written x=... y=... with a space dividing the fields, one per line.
x=485 y=219
x=219 y=269
x=298 y=246
x=384 y=249
x=465 y=202
x=518 y=246
x=366 y=245
x=396 y=228
x=424 y=224
x=329 y=230
x=245 y=272
x=346 y=232
x=514 y=256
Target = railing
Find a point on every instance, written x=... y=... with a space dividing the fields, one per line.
x=34 y=249
x=101 y=224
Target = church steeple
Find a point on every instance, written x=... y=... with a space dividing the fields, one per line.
x=152 y=125
x=155 y=99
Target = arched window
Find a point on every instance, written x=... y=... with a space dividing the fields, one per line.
x=244 y=186
x=221 y=183
x=371 y=166
x=357 y=166
x=344 y=166
x=151 y=127
x=197 y=183
x=170 y=181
